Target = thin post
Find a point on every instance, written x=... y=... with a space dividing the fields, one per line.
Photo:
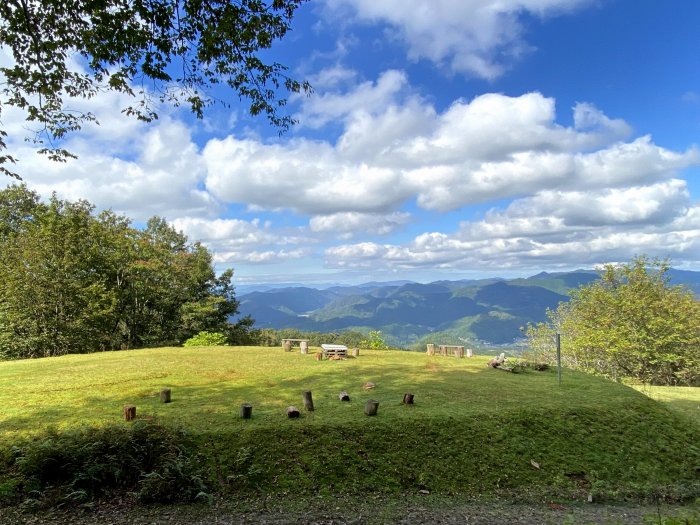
x=557 y=338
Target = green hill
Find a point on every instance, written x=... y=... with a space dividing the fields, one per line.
x=473 y=431
x=486 y=312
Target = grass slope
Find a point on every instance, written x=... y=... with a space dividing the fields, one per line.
x=473 y=430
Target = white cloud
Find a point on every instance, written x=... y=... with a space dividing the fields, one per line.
x=234 y=241
x=467 y=36
x=551 y=229
x=490 y=148
x=349 y=224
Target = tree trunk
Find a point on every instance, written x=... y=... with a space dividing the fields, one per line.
x=308 y=401
x=408 y=399
x=165 y=395
x=371 y=407
x=343 y=396
x=129 y=412
x=292 y=412
x=246 y=410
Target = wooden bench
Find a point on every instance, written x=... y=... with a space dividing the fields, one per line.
x=451 y=349
x=339 y=350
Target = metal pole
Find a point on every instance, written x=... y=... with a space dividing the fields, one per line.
x=558 y=340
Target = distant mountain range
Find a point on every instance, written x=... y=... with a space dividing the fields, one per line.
x=409 y=314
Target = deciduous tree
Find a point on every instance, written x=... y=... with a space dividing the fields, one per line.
x=172 y=51
x=630 y=323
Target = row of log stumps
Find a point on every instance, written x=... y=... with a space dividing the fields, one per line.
x=129 y=411
x=246 y=409
x=455 y=350
x=371 y=406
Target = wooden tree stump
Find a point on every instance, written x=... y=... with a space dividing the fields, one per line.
x=371 y=407
x=343 y=396
x=308 y=401
x=408 y=399
x=430 y=349
x=165 y=395
x=287 y=346
x=246 y=411
x=129 y=412
x=292 y=412
x=303 y=347
x=318 y=356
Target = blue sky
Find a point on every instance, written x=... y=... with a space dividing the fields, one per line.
x=444 y=140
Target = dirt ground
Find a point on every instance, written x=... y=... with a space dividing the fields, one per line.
x=224 y=513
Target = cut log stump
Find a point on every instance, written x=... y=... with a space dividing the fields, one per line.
x=371 y=407
x=246 y=411
x=165 y=395
x=308 y=401
x=343 y=396
x=129 y=412
x=408 y=399
x=292 y=412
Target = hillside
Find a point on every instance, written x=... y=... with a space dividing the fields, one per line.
x=473 y=431
x=489 y=312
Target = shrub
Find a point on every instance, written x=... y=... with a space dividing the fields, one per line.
x=374 y=341
x=153 y=462
x=205 y=338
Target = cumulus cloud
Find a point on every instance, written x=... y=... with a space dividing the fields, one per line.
x=349 y=224
x=552 y=229
x=235 y=241
x=489 y=148
x=467 y=36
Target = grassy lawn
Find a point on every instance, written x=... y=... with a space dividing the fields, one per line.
x=473 y=430
x=683 y=399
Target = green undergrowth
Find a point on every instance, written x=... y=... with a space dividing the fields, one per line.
x=473 y=431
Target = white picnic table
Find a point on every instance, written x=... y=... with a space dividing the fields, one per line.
x=339 y=350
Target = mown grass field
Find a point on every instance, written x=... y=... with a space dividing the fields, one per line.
x=472 y=431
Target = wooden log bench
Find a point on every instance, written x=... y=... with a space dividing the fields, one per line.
x=451 y=350
x=339 y=350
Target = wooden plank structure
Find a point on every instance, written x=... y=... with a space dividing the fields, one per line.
x=451 y=350
x=339 y=350
x=303 y=345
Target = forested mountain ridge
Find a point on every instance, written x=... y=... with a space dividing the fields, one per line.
x=489 y=311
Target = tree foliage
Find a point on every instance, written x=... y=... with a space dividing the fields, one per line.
x=630 y=323
x=173 y=51
x=75 y=282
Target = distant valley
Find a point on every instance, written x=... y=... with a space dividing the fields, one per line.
x=484 y=312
